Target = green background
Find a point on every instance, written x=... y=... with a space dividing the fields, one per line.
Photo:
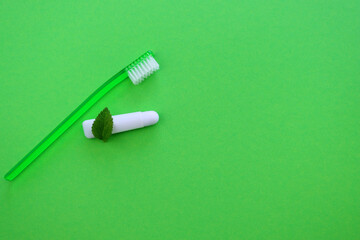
x=258 y=138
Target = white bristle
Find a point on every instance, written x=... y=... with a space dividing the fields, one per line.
x=143 y=69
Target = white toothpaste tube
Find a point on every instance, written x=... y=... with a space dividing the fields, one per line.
x=126 y=122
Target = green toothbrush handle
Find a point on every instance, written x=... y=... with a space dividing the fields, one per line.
x=64 y=125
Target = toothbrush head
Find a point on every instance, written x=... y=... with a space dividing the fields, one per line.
x=142 y=67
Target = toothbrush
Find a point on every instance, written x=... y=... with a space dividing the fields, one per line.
x=137 y=71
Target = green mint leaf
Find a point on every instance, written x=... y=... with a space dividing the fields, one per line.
x=103 y=125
